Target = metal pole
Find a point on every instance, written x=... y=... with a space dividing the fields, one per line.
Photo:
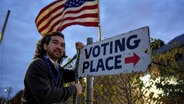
x=89 y=99
x=4 y=26
x=71 y=60
x=76 y=74
x=99 y=26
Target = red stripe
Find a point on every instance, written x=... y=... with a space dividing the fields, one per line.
x=95 y=24
x=82 y=16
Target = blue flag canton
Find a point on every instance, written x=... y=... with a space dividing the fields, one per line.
x=75 y=3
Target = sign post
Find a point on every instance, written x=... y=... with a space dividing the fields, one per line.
x=89 y=88
x=125 y=53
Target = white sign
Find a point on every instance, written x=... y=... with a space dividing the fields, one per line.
x=125 y=53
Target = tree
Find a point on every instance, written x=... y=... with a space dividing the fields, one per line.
x=171 y=71
x=120 y=89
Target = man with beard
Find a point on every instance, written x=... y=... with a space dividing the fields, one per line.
x=45 y=78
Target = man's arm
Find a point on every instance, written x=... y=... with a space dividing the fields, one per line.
x=41 y=87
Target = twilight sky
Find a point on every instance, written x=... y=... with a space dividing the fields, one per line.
x=165 y=19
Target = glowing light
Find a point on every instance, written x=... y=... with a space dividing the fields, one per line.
x=5 y=90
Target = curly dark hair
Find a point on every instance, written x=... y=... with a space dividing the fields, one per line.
x=40 y=52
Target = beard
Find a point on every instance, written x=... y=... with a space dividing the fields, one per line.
x=55 y=54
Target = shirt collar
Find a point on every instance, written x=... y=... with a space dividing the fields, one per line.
x=55 y=64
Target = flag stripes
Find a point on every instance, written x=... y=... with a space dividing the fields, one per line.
x=56 y=16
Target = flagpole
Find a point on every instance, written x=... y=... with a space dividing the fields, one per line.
x=99 y=27
x=99 y=33
x=4 y=26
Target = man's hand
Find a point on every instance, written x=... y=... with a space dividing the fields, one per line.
x=79 y=45
x=79 y=88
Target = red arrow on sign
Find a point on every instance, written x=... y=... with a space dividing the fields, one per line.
x=133 y=59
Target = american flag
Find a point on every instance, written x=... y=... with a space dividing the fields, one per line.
x=63 y=13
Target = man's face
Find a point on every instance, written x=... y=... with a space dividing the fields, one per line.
x=55 y=48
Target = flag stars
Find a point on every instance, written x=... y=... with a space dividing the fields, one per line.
x=74 y=3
